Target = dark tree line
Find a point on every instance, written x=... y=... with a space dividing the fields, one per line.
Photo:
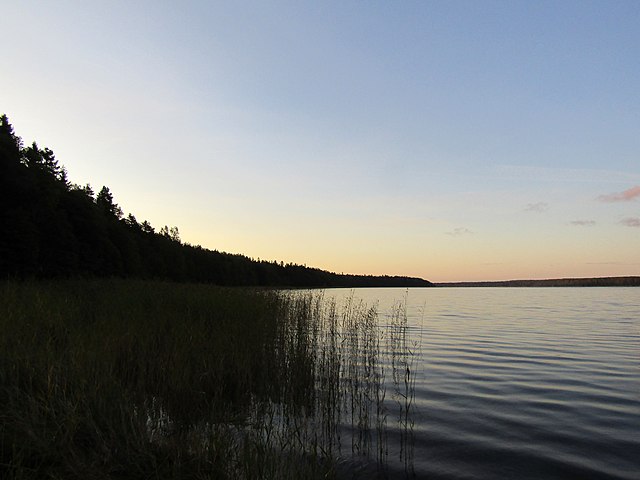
x=554 y=282
x=50 y=227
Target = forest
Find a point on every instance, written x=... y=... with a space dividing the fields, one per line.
x=53 y=228
x=631 y=281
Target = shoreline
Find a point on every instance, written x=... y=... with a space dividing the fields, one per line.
x=629 y=281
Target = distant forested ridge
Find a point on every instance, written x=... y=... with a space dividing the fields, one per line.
x=553 y=282
x=50 y=227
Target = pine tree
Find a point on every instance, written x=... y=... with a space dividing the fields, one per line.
x=105 y=202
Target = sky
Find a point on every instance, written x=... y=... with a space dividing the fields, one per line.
x=449 y=140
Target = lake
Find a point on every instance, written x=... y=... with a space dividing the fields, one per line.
x=510 y=383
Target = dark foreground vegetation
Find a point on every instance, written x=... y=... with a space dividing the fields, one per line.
x=553 y=282
x=52 y=228
x=127 y=379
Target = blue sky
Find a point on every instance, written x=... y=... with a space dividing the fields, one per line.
x=447 y=140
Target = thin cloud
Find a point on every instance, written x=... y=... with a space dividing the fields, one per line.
x=631 y=222
x=583 y=223
x=626 y=196
x=537 y=207
x=456 y=232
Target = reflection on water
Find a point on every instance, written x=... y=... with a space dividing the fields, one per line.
x=506 y=383
x=356 y=413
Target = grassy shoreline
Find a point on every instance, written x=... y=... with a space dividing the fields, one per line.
x=139 y=379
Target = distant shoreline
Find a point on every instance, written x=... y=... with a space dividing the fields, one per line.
x=633 y=281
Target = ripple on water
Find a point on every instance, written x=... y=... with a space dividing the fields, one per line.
x=521 y=383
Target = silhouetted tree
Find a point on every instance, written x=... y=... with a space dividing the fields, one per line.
x=51 y=228
x=147 y=228
x=104 y=200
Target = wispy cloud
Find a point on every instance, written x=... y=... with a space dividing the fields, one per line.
x=631 y=222
x=537 y=207
x=626 y=196
x=456 y=232
x=583 y=223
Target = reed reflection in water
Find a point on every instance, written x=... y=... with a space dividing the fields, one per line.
x=356 y=414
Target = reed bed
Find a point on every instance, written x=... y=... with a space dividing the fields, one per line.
x=136 y=379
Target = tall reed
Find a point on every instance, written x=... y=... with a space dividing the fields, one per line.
x=134 y=379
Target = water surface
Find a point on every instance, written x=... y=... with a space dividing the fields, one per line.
x=517 y=382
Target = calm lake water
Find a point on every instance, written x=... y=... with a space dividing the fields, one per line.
x=515 y=383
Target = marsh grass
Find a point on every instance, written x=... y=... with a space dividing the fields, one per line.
x=138 y=379
x=403 y=363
